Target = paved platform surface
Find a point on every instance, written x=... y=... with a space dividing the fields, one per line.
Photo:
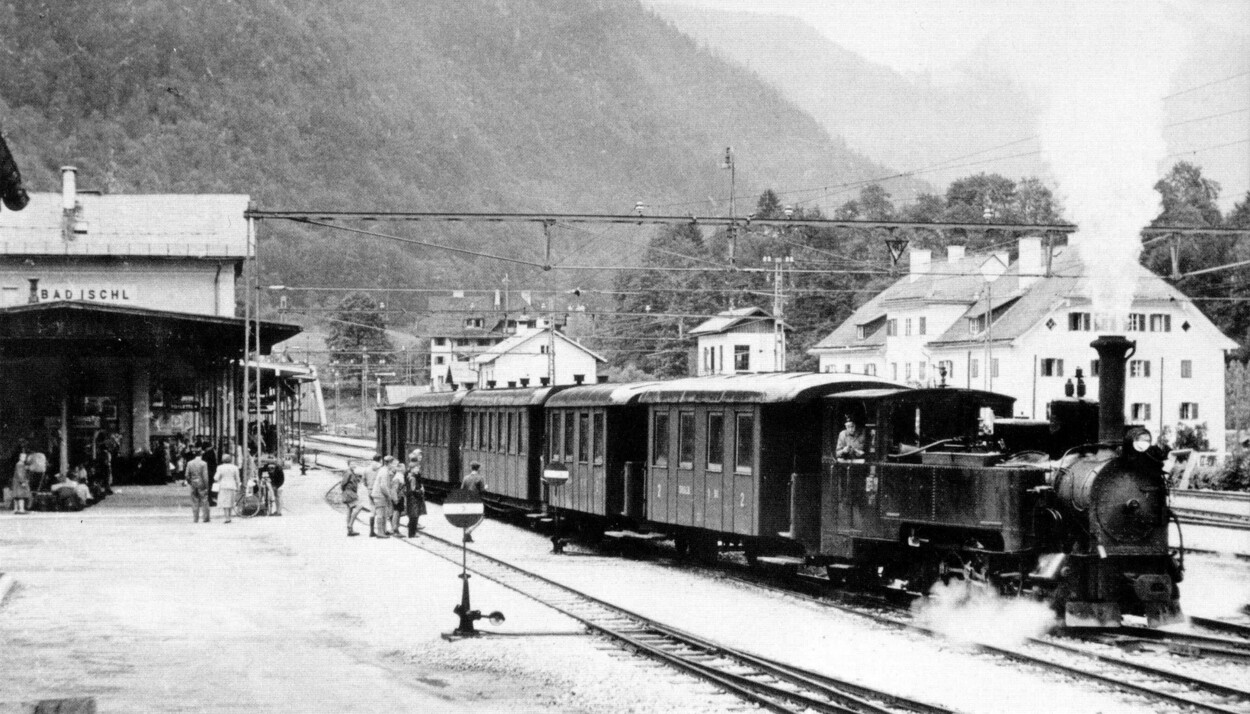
x=132 y=603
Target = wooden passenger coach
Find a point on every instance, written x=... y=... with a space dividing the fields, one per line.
x=722 y=450
x=502 y=430
x=433 y=424
x=598 y=434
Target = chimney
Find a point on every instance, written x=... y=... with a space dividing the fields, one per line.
x=544 y=381
x=579 y=378
x=511 y=384
x=525 y=381
x=490 y=384
x=69 y=188
x=1030 y=264
x=603 y=379
x=920 y=260
x=1113 y=353
x=954 y=253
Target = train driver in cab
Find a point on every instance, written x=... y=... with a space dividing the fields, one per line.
x=850 y=441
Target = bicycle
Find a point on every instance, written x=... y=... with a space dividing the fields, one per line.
x=256 y=499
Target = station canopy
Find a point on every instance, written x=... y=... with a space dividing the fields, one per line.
x=131 y=329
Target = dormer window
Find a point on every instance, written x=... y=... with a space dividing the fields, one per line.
x=861 y=331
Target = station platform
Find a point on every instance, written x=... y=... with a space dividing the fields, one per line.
x=131 y=605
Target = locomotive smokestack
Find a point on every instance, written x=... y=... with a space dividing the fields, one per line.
x=1113 y=354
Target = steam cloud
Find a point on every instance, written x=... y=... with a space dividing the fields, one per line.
x=964 y=613
x=1106 y=73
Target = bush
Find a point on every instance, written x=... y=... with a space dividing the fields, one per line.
x=1233 y=476
x=1192 y=437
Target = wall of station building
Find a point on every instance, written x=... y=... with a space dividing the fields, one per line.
x=193 y=287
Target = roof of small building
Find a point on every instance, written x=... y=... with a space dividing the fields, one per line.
x=157 y=225
x=731 y=319
x=513 y=344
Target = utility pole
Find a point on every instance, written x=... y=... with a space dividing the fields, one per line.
x=728 y=163
x=364 y=382
x=779 y=302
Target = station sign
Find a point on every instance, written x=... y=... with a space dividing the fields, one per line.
x=463 y=508
x=556 y=474
x=91 y=293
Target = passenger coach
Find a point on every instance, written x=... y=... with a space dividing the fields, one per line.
x=432 y=423
x=722 y=452
x=503 y=431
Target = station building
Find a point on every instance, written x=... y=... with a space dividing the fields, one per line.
x=1027 y=333
x=118 y=325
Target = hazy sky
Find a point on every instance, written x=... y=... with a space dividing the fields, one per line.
x=1146 y=50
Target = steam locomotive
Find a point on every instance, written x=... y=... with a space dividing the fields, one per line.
x=949 y=486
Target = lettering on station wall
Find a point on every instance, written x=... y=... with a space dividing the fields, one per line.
x=98 y=293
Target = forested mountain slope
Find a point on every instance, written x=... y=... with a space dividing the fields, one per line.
x=463 y=105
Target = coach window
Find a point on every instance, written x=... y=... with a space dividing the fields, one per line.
x=569 y=426
x=553 y=442
x=659 y=439
x=685 y=439
x=501 y=436
x=745 y=440
x=511 y=435
x=583 y=438
x=600 y=438
x=522 y=419
x=715 y=441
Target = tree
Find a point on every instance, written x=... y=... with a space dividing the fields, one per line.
x=874 y=203
x=983 y=198
x=1239 y=217
x=1188 y=198
x=358 y=329
x=1035 y=202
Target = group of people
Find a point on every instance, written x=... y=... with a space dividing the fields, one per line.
x=388 y=489
x=211 y=481
x=70 y=491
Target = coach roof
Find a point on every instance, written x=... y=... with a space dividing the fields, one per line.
x=435 y=400
x=767 y=388
x=512 y=397
x=594 y=395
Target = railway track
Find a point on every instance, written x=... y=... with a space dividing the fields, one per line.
x=766 y=683
x=1219 y=519
x=1163 y=685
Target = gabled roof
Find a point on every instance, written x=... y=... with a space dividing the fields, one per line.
x=1016 y=309
x=158 y=225
x=946 y=282
x=514 y=344
x=730 y=319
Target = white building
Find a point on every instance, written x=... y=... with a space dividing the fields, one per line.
x=466 y=327
x=526 y=359
x=739 y=341
x=933 y=322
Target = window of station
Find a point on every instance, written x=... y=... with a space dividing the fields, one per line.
x=715 y=441
x=1079 y=321
x=569 y=428
x=583 y=438
x=1160 y=323
x=974 y=368
x=1189 y=410
x=685 y=439
x=1051 y=367
x=600 y=438
x=921 y=325
x=744 y=438
x=1140 y=411
x=1137 y=322
x=870 y=370
x=1187 y=369
x=1139 y=368
x=659 y=439
x=742 y=358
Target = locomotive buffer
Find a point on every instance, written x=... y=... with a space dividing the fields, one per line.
x=463 y=509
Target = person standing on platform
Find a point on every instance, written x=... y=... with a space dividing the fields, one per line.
x=367 y=479
x=473 y=482
x=350 y=486
x=21 y=482
x=198 y=479
x=210 y=460
x=227 y=481
x=277 y=477
x=381 y=493
x=399 y=494
x=414 y=493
